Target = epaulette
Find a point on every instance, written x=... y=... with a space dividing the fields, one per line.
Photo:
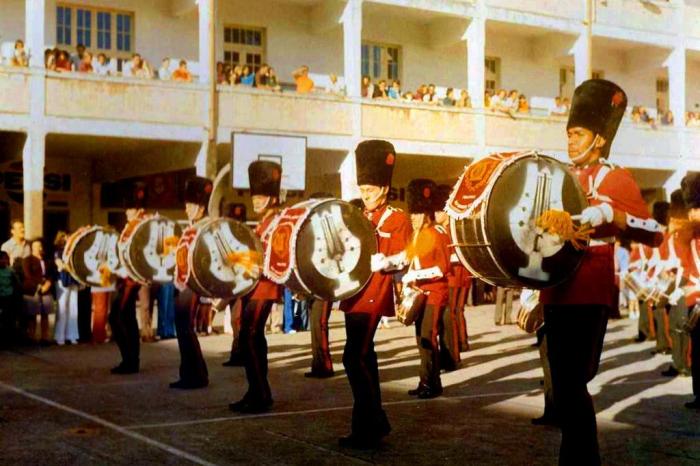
x=608 y=163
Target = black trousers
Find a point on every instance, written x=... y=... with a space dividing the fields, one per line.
x=122 y=320
x=193 y=368
x=695 y=360
x=680 y=340
x=360 y=361
x=236 y=310
x=254 y=346
x=321 y=362
x=85 y=315
x=645 y=324
x=660 y=323
x=449 y=337
x=427 y=329
x=575 y=336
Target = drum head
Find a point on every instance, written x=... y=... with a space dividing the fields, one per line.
x=226 y=258
x=520 y=194
x=148 y=254
x=96 y=247
x=333 y=250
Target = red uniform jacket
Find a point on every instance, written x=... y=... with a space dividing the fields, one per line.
x=594 y=281
x=392 y=237
x=430 y=248
x=266 y=289
x=692 y=295
x=458 y=276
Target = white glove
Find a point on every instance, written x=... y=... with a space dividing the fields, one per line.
x=675 y=296
x=597 y=215
x=409 y=277
x=377 y=262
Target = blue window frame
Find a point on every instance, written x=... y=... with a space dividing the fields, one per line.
x=83 y=27
x=63 y=25
x=124 y=32
x=365 y=60
x=104 y=30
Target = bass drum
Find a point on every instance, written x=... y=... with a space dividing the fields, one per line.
x=91 y=256
x=219 y=258
x=321 y=248
x=493 y=210
x=147 y=248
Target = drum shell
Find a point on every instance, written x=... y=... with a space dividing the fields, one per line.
x=76 y=248
x=132 y=246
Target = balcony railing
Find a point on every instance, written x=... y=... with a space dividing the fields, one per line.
x=567 y=9
x=526 y=132
x=691 y=17
x=14 y=91
x=651 y=15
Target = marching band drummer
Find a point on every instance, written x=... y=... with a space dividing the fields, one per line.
x=265 y=179
x=429 y=262
x=691 y=196
x=576 y=311
x=375 y=163
x=660 y=307
x=122 y=316
x=193 y=368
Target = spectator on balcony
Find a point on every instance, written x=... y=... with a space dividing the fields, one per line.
x=420 y=92
x=644 y=117
x=395 y=90
x=567 y=104
x=102 y=66
x=302 y=80
x=334 y=88
x=487 y=98
x=247 y=76
x=559 y=108
x=220 y=72
x=50 y=59
x=19 y=55
x=182 y=74
x=135 y=69
x=635 y=115
x=77 y=57
x=449 y=100
x=409 y=97
x=366 y=87
x=500 y=103
x=512 y=100
x=523 y=104
x=63 y=62
x=497 y=99
x=667 y=118
x=464 y=100
x=692 y=120
x=431 y=97
x=164 y=70
x=235 y=75
x=273 y=81
x=262 y=77
x=380 y=91
x=85 y=65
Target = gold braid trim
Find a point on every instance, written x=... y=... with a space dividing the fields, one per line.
x=559 y=222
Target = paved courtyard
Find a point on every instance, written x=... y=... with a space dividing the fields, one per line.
x=60 y=405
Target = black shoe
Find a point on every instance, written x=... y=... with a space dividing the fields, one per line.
x=123 y=369
x=695 y=404
x=417 y=390
x=319 y=375
x=184 y=385
x=545 y=420
x=117 y=369
x=234 y=362
x=255 y=407
x=640 y=338
x=357 y=442
x=670 y=372
x=238 y=405
x=429 y=392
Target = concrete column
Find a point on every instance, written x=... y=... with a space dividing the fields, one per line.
x=34 y=24
x=33 y=161
x=348 y=177
x=674 y=181
x=206 y=39
x=352 y=46
x=582 y=58
x=205 y=164
x=476 y=56
x=676 y=85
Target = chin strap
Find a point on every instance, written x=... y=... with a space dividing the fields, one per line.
x=587 y=151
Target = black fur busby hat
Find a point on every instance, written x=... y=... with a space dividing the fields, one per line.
x=678 y=208
x=237 y=212
x=660 y=211
x=441 y=195
x=598 y=105
x=198 y=190
x=134 y=196
x=421 y=196
x=691 y=190
x=374 y=161
x=265 y=178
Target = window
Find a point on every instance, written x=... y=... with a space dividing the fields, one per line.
x=244 y=46
x=381 y=61
x=105 y=29
x=492 y=73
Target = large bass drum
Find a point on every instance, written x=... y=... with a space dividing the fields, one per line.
x=218 y=258
x=147 y=248
x=321 y=248
x=91 y=256
x=494 y=207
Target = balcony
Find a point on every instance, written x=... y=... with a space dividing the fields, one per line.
x=691 y=18
x=14 y=91
x=122 y=99
x=566 y=9
x=649 y=16
x=417 y=122
x=529 y=132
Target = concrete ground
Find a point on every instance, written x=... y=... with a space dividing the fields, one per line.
x=60 y=405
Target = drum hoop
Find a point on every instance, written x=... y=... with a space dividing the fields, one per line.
x=80 y=234
x=124 y=243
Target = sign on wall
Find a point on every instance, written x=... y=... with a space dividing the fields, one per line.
x=288 y=151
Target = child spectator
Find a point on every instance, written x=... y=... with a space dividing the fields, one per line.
x=164 y=70
x=247 y=77
x=273 y=82
x=63 y=62
x=395 y=90
x=380 y=91
x=50 y=59
x=667 y=118
x=366 y=87
x=408 y=97
x=464 y=100
x=302 y=80
x=19 y=55
x=449 y=100
x=487 y=98
x=102 y=66
x=182 y=74
x=262 y=77
x=85 y=65
x=334 y=87
x=523 y=104
x=235 y=76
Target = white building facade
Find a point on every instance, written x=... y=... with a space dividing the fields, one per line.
x=64 y=135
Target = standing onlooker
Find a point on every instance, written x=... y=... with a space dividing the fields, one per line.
x=523 y=104
x=431 y=97
x=10 y=290
x=247 y=76
x=420 y=92
x=380 y=91
x=488 y=94
x=302 y=80
x=164 y=70
x=19 y=55
x=63 y=63
x=449 y=100
x=182 y=74
x=77 y=57
x=102 y=66
x=272 y=80
x=235 y=75
x=85 y=65
x=395 y=90
x=220 y=73
x=36 y=288
x=50 y=59
x=559 y=108
x=667 y=118
x=262 y=77
x=67 y=293
x=334 y=87
x=503 y=314
x=16 y=247
x=166 y=310
x=366 y=87
x=464 y=100
x=497 y=100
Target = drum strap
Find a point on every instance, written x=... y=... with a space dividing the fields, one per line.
x=594 y=184
x=385 y=216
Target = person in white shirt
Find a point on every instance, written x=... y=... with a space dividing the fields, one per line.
x=102 y=66
x=334 y=87
x=164 y=70
x=16 y=247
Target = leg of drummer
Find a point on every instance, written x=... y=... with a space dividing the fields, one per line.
x=193 y=368
x=449 y=343
x=236 y=354
x=258 y=398
x=321 y=364
x=429 y=353
x=462 y=319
